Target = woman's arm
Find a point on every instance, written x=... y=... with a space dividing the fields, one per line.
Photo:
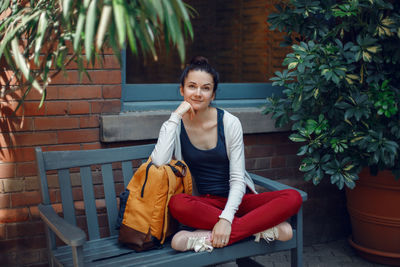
x=237 y=184
x=162 y=153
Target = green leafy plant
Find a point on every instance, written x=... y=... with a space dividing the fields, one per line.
x=340 y=91
x=39 y=38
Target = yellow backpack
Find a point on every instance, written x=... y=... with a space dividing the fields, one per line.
x=145 y=218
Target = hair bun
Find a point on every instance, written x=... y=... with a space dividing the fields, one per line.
x=199 y=60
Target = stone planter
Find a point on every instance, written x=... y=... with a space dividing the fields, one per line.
x=374 y=208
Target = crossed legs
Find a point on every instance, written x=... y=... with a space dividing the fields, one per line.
x=256 y=213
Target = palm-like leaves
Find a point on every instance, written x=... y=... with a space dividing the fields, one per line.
x=45 y=30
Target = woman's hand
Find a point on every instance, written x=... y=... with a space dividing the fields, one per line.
x=184 y=108
x=221 y=233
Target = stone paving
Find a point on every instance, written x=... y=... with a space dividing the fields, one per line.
x=332 y=254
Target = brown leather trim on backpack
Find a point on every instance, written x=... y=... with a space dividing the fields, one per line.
x=136 y=240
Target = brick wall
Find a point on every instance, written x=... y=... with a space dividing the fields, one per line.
x=68 y=120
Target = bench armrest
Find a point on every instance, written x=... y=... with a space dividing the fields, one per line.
x=274 y=185
x=67 y=232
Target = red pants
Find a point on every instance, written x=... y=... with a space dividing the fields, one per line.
x=256 y=213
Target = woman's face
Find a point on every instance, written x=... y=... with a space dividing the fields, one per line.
x=198 y=89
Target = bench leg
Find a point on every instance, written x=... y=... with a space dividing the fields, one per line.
x=297 y=253
x=247 y=262
x=77 y=255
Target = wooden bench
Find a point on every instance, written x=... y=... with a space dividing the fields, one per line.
x=96 y=250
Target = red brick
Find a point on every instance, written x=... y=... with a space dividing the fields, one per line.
x=112 y=91
x=26 y=258
x=62 y=147
x=79 y=107
x=26 y=169
x=278 y=162
x=4 y=201
x=25 y=199
x=79 y=92
x=35 y=138
x=32 y=109
x=17 y=154
x=7 y=75
x=5 y=140
x=92 y=146
x=97 y=77
x=2 y=233
x=24 y=154
x=53 y=123
x=14 y=215
x=8 y=109
x=34 y=212
x=110 y=106
x=51 y=93
x=259 y=151
x=23 y=244
x=287 y=149
x=109 y=62
x=78 y=136
x=56 y=108
x=7 y=170
x=89 y=122
x=16 y=124
x=266 y=139
x=24 y=229
x=106 y=62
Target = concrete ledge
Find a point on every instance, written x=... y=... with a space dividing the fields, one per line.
x=146 y=125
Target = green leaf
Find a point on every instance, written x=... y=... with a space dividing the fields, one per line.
x=4 y=5
x=297 y=138
x=119 y=17
x=302 y=150
x=10 y=35
x=66 y=6
x=22 y=65
x=90 y=28
x=311 y=125
x=105 y=19
x=43 y=22
x=80 y=23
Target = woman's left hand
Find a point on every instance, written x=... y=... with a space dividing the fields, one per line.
x=221 y=233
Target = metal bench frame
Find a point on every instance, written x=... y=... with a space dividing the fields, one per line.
x=97 y=251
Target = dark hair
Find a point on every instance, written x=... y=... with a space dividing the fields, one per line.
x=200 y=63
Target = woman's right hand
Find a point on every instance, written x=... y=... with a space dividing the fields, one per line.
x=184 y=108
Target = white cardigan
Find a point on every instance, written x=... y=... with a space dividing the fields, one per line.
x=169 y=145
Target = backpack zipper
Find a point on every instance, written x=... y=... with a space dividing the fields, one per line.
x=145 y=180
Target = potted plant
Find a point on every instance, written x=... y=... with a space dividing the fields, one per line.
x=340 y=93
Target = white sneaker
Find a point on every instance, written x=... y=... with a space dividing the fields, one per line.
x=282 y=232
x=199 y=240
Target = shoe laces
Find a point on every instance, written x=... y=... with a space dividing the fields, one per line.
x=268 y=235
x=198 y=244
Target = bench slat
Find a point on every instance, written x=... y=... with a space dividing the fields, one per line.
x=64 y=181
x=68 y=159
x=110 y=196
x=90 y=203
x=169 y=257
x=127 y=172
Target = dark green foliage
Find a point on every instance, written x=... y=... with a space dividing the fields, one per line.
x=341 y=86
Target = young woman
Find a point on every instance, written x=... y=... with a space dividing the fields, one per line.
x=210 y=141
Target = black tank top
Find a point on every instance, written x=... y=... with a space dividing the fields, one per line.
x=210 y=168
